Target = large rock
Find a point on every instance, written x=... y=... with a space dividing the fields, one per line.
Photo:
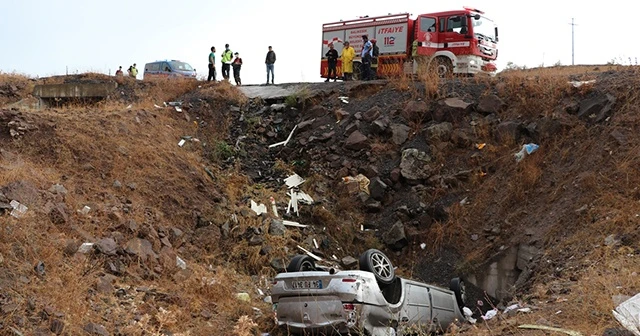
x=416 y=110
x=396 y=238
x=399 y=133
x=277 y=228
x=207 y=238
x=441 y=131
x=490 y=104
x=415 y=165
x=59 y=214
x=451 y=109
x=377 y=189
x=372 y=114
x=597 y=109
x=317 y=111
x=356 y=141
x=508 y=131
x=107 y=246
x=461 y=139
x=141 y=248
x=381 y=125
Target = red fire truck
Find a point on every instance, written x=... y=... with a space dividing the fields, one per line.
x=453 y=42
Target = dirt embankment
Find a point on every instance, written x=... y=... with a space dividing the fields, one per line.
x=445 y=196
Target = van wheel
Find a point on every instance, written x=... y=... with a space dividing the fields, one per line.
x=460 y=291
x=301 y=263
x=379 y=264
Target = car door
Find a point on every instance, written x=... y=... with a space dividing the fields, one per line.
x=416 y=315
x=454 y=32
x=427 y=36
x=444 y=307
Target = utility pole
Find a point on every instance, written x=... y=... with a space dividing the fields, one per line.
x=572 y=42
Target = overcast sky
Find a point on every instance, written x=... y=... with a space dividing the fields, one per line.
x=43 y=38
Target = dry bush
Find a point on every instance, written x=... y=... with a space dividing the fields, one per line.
x=15 y=87
x=165 y=90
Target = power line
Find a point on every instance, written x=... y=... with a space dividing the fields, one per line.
x=572 y=42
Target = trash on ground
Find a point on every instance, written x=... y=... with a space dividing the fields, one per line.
x=292 y=223
x=243 y=297
x=181 y=263
x=273 y=206
x=468 y=314
x=578 y=84
x=129 y=106
x=315 y=243
x=344 y=99
x=85 y=210
x=85 y=248
x=490 y=314
x=309 y=253
x=517 y=308
x=178 y=109
x=628 y=314
x=259 y=209
x=480 y=146
x=175 y=103
x=362 y=180
x=293 y=181
x=543 y=327
x=157 y=106
x=284 y=143
x=423 y=246
x=526 y=150
x=181 y=143
x=19 y=209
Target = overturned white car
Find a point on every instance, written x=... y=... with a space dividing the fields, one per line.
x=309 y=300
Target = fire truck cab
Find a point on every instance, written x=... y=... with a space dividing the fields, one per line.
x=463 y=42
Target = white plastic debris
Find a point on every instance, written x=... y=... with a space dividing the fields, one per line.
x=259 y=209
x=309 y=253
x=344 y=99
x=19 y=209
x=628 y=314
x=181 y=263
x=292 y=223
x=315 y=243
x=129 y=107
x=578 y=84
x=468 y=315
x=85 y=210
x=274 y=209
x=178 y=109
x=157 y=106
x=423 y=246
x=293 y=181
x=284 y=143
x=526 y=150
x=490 y=314
x=85 y=248
x=181 y=143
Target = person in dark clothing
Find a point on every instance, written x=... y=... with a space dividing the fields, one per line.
x=332 y=60
x=236 y=65
x=212 y=65
x=366 y=53
x=374 y=59
x=269 y=61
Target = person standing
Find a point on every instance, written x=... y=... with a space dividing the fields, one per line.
x=269 y=61
x=375 y=52
x=133 y=71
x=237 y=64
x=212 y=65
x=226 y=61
x=366 y=57
x=348 y=54
x=332 y=61
x=119 y=72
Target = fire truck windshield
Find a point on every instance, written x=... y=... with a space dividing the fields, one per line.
x=484 y=28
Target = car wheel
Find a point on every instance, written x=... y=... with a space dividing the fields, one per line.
x=459 y=289
x=379 y=264
x=301 y=263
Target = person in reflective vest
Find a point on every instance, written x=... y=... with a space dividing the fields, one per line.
x=227 y=56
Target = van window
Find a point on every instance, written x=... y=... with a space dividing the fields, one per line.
x=152 y=67
x=180 y=66
x=165 y=67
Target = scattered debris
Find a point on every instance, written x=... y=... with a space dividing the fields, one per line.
x=178 y=109
x=362 y=180
x=490 y=314
x=296 y=224
x=18 y=209
x=628 y=314
x=543 y=327
x=293 y=181
x=284 y=143
x=526 y=150
x=578 y=84
x=259 y=209
x=85 y=210
x=344 y=99
x=175 y=103
x=85 y=248
x=468 y=314
x=273 y=206
x=423 y=246
x=181 y=143
x=309 y=253
x=480 y=146
x=181 y=263
x=243 y=297
x=129 y=106
x=156 y=106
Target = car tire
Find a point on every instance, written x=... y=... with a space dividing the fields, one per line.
x=301 y=263
x=378 y=263
x=459 y=289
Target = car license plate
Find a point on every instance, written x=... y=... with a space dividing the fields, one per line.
x=307 y=284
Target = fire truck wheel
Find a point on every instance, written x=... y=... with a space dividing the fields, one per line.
x=442 y=66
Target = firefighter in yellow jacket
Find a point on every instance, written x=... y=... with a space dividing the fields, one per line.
x=348 y=54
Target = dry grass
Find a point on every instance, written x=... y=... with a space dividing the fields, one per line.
x=14 y=86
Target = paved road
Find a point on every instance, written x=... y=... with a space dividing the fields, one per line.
x=282 y=91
